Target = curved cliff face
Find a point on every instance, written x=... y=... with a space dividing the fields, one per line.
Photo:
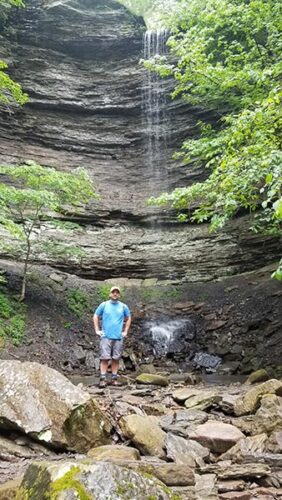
x=79 y=62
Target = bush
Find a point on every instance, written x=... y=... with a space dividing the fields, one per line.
x=12 y=318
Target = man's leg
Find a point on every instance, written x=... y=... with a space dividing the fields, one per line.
x=105 y=354
x=115 y=365
x=117 y=353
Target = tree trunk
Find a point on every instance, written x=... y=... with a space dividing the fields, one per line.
x=23 y=289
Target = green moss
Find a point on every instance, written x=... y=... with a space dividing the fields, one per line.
x=69 y=482
x=35 y=485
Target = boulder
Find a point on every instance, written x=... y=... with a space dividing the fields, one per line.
x=99 y=480
x=112 y=453
x=185 y=451
x=217 y=436
x=45 y=405
x=152 y=379
x=249 y=402
x=257 y=376
x=145 y=433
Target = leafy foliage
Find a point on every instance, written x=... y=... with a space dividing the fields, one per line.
x=78 y=302
x=12 y=319
x=10 y=91
x=38 y=193
x=228 y=57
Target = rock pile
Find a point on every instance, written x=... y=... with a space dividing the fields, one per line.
x=167 y=441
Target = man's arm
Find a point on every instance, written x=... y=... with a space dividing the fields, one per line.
x=127 y=323
x=96 y=322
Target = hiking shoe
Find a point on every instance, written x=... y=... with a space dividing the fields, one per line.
x=102 y=383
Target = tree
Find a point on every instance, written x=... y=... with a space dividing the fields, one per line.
x=226 y=55
x=10 y=91
x=39 y=192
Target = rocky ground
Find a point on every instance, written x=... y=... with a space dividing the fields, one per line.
x=200 y=441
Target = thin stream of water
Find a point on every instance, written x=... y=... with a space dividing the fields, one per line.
x=155 y=109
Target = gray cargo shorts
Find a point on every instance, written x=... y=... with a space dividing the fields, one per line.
x=111 y=349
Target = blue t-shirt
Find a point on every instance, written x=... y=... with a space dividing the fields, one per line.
x=113 y=315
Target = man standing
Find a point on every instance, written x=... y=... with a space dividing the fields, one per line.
x=112 y=321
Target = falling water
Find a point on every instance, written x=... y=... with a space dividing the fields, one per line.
x=169 y=336
x=155 y=104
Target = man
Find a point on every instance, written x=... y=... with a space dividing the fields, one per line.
x=112 y=320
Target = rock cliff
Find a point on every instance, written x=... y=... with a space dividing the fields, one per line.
x=79 y=63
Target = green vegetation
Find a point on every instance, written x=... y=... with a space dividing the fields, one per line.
x=103 y=292
x=227 y=56
x=12 y=319
x=40 y=192
x=10 y=91
x=69 y=482
x=78 y=302
x=162 y=294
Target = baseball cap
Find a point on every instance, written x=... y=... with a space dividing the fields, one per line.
x=115 y=288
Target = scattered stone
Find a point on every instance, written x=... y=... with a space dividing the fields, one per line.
x=202 y=401
x=196 y=398
x=249 y=403
x=237 y=495
x=227 y=470
x=217 y=436
x=268 y=417
x=132 y=400
x=192 y=416
x=227 y=403
x=257 y=376
x=185 y=378
x=174 y=474
x=152 y=379
x=114 y=452
x=246 y=447
x=205 y=487
x=41 y=402
x=185 y=451
x=145 y=433
x=274 y=443
x=124 y=409
x=154 y=409
x=236 y=485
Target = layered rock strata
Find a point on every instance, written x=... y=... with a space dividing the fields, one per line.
x=79 y=63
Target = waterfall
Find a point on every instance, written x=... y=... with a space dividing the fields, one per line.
x=169 y=336
x=154 y=109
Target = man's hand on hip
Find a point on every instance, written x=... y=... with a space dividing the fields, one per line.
x=100 y=333
x=124 y=334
